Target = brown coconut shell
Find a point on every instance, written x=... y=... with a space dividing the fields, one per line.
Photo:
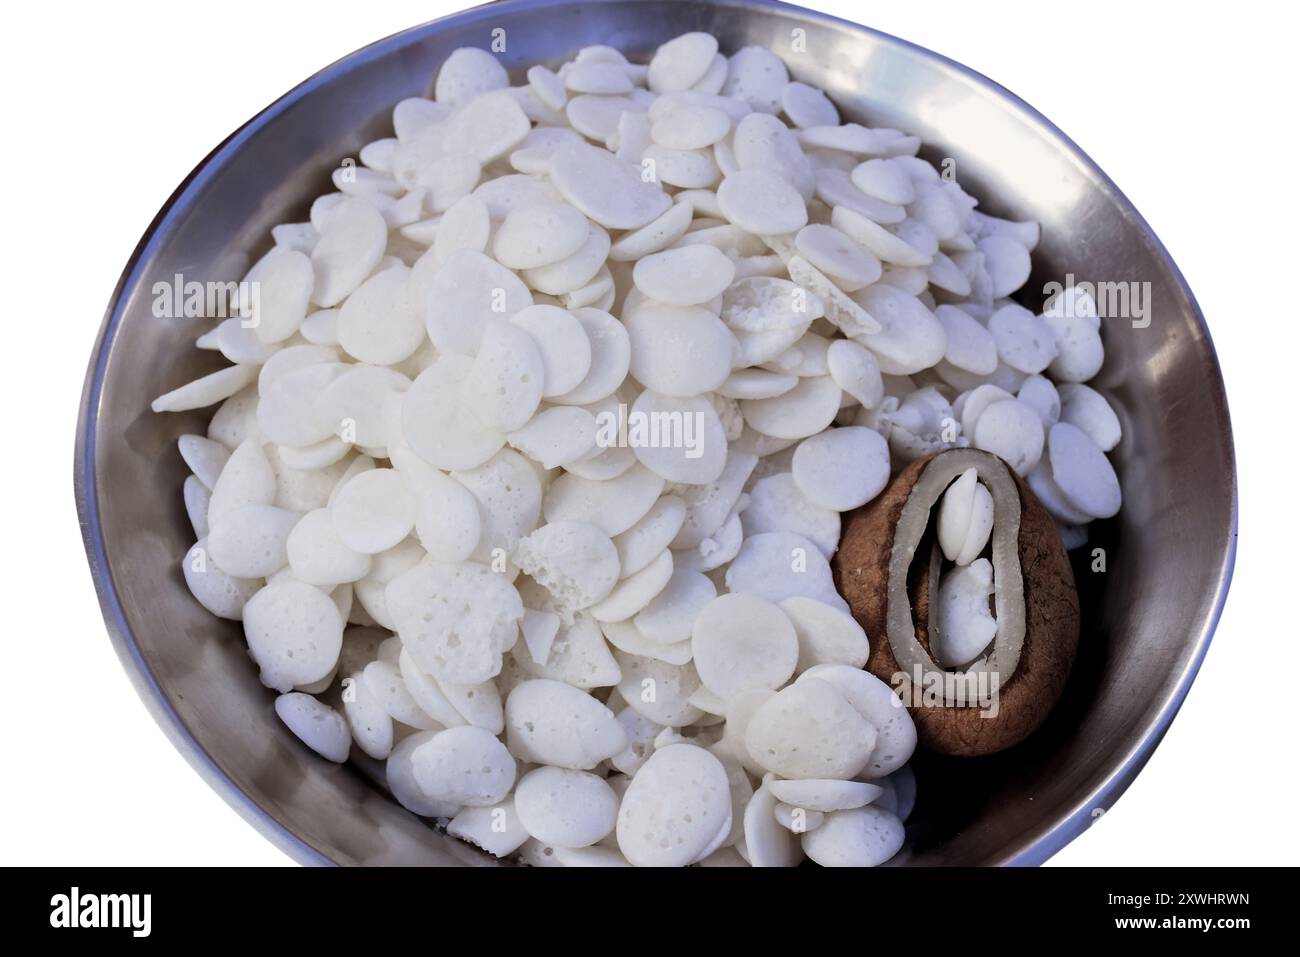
x=861 y=569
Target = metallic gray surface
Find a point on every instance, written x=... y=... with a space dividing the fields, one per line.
x=1148 y=619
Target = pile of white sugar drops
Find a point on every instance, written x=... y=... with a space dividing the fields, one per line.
x=583 y=646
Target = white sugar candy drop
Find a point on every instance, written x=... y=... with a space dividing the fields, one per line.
x=351 y=244
x=534 y=236
x=196 y=497
x=438 y=426
x=885 y=180
x=384 y=681
x=808 y=730
x=634 y=592
x=970 y=344
x=284 y=281
x=505 y=383
x=220 y=593
x=761 y=141
x=826 y=635
x=803 y=411
x=1087 y=409
x=1080 y=353
x=455 y=619
x=246 y=478
x=378 y=323
x=600 y=118
x=797 y=819
x=289 y=412
x=355 y=403
x=466 y=73
x=568 y=277
x=1082 y=471
x=679 y=350
x=689 y=127
x=596 y=77
x=575 y=561
x=613 y=505
x=1007 y=262
x=464 y=766
x=965 y=519
x=756 y=76
x=611 y=356
x=836 y=255
x=206 y=391
x=294 y=634
x=807 y=106
x=373 y=511
x=856 y=370
x=251 y=541
x=911 y=339
x=688 y=169
x=650 y=535
x=654 y=236
x=626 y=637
x=318 y=556
x=776 y=504
x=548 y=87
x=488 y=126
x=880 y=242
x=657 y=689
x=756 y=384
x=669 y=617
x=767 y=843
x=607 y=189
x=494 y=829
x=426 y=692
x=686 y=276
x=824 y=795
x=465 y=225
x=1011 y=430
x=1039 y=393
x=556 y=436
x=1024 y=341
x=549 y=722
x=681 y=62
x=742 y=643
x=842 y=469
x=578 y=656
x=562 y=343
x=761 y=202
x=677 y=804
x=964 y=624
x=565 y=808
x=881 y=707
x=678 y=439
x=237 y=342
x=399 y=774
x=862 y=837
x=468 y=291
x=316 y=725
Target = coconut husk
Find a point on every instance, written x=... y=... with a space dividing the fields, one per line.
x=861 y=568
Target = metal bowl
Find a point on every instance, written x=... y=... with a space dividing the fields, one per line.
x=1148 y=617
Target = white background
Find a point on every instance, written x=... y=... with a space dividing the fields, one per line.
x=108 y=106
